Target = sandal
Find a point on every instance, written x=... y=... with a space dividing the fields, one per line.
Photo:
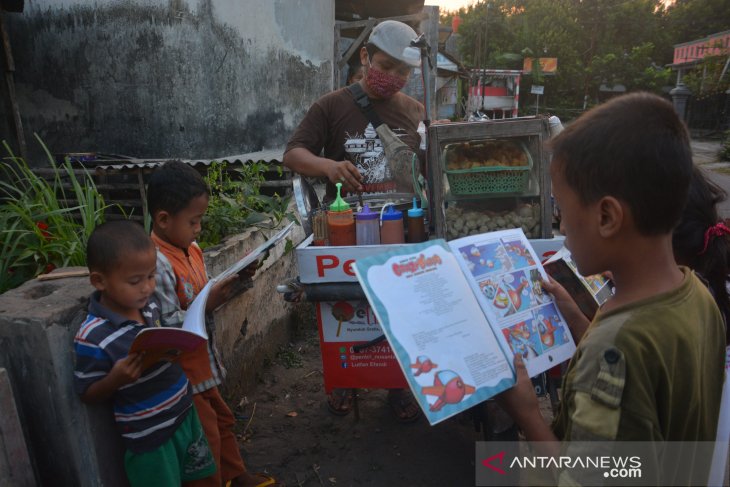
x=339 y=402
x=404 y=405
x=266 y=481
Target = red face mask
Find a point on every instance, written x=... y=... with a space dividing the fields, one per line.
x=382 y=84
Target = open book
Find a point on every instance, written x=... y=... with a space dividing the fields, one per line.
x=169 y=343
x=164 y=344
x=195 y=316
x=456 y=313
x=589 y=292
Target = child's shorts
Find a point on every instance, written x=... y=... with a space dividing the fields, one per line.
x=184 y=457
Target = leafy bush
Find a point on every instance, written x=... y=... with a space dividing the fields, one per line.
x=39 y=229
x=236 y=202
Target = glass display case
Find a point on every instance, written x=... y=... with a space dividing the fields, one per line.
x=490 y=175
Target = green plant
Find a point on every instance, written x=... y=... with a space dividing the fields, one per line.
x=40 y=230
x=236 y=202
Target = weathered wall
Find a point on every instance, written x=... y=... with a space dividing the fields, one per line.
x=168 y=78
x=77 y=445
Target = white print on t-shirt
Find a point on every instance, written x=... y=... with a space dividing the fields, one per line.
x=366 y=153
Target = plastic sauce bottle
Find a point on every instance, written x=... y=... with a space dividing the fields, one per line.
x=367 y=227
x=340 y=223
x=416 y=225
x=391 y=230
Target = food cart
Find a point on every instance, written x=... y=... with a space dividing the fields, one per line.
x=483 y=176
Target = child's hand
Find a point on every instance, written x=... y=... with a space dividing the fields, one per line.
x=574 y=317
x=126 y=370
x=221 y=292
x=521 y=404
x=247 y=273
x=520 y=401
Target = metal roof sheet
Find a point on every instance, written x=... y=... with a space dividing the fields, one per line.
x=267 y=155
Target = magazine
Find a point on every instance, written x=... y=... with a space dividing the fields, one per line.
x=589 y=292
x=195 y=316
x=456 y=313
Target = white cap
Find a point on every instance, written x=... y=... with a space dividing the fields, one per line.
x=394 y=39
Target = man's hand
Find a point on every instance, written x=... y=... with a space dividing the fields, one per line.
x=574 y=317
x=346 y=173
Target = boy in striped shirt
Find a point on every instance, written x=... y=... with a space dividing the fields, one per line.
x=153 y=409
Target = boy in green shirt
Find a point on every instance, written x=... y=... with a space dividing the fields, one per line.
x=649 y=367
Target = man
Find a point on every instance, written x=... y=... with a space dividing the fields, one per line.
x=352 y=153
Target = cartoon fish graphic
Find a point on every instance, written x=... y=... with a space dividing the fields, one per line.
x=449 y=388
x=423 y=365
x=547 y=330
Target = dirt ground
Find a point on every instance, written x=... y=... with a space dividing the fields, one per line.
x=286 y=430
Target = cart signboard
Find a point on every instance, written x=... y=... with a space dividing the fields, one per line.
x=342 y=326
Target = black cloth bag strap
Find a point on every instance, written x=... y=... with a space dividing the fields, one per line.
x=363 y=103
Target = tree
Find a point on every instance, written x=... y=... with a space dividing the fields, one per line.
x=595 y=41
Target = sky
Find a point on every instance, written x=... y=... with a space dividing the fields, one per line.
x=450 y=4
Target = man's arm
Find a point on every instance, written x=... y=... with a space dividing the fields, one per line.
x=302 y=161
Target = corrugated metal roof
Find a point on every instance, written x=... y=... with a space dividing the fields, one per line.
x=267 y=155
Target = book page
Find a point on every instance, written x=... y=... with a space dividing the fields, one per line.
x=504 y=272
x=195 y=315
x=441 y=338
x=254 y=254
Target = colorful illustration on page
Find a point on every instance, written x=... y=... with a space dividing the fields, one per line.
x=448 y=388
x=553 y=331
x=518 y=289
x=518 y=254
x=497 y=297
x=485 y=259
x=523 y=339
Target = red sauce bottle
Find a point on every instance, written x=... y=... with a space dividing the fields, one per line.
x=340 y=222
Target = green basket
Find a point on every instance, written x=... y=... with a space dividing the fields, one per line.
x=490 y=179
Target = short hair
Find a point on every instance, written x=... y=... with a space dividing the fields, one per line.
x=109 y=242
x=173 y=186
x=634 y=148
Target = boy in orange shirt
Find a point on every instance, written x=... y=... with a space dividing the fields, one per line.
x=177 y=198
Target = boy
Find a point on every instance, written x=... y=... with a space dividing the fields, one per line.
x=152 y=408
x=650 y=365
x=177 y=200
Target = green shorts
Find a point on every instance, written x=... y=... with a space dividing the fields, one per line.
x=184 y=457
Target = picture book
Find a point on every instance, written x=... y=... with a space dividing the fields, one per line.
x=589 y=292
x=195 y=316
x=164 y=344
x=455 y=313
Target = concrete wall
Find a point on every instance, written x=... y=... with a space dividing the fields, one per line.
x=168 y=78
x=77 y=445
